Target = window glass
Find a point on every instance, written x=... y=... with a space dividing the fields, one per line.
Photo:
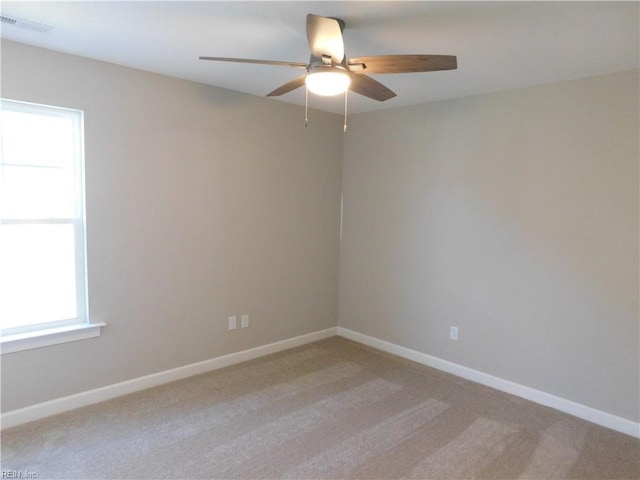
x=38 y=277
x=45 y=138
x=38 y=192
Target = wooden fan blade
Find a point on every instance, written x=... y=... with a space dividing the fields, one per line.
x=403 y=63
x=288 y=87
x=325 y=37
x=369 y=87
x=261 y=62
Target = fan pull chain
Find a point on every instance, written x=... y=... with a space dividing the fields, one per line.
x=345 y=110
x=306 y=105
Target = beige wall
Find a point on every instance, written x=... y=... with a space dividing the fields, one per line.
x=201 y=203
x=513 y=216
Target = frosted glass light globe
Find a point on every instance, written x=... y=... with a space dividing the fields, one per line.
x=328 y=83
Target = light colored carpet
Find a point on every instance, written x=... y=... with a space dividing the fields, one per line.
x=331 y=409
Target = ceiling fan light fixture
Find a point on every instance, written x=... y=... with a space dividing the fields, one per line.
x=328 y=81
x=330 y=72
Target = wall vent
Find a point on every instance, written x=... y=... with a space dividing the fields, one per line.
x=20 y=23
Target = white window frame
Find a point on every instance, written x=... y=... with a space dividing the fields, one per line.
x=70 y=329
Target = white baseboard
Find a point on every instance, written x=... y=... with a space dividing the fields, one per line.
x=64 y=404
x=598 y=417
x=82 y=399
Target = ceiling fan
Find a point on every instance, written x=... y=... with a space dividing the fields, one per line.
x=330 y=72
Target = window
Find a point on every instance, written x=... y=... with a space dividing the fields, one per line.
x=42 y=236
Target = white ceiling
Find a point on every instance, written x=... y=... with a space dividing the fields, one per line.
x=499 y=45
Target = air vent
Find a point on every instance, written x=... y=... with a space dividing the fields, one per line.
x=20 y=23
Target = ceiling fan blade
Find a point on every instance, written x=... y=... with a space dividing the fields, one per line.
x=261 y=62
x=288 y=87
x=325 y=37
x=369 y=87
x=403 y=63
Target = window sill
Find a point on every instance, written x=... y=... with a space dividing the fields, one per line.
x=52 y=336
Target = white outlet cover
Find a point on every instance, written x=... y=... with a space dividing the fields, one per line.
x=453 y=335
x=244 y=321
x=233 y=324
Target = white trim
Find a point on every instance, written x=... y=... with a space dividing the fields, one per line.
x=579 y=410
x=50 y=336
x=64 y=404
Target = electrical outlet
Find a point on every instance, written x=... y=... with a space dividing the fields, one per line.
x=233 y=324
x=453 y=333
x=244 y=321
